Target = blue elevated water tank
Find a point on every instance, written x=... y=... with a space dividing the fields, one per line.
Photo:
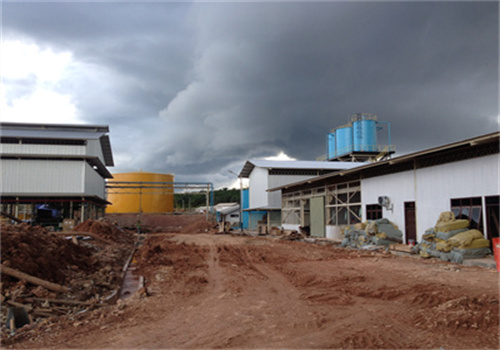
x=331 y=145
x=364 y=133
x=343 y=136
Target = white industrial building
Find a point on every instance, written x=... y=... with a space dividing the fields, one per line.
x=54 y=171
x=410 y=190
x=263 y=207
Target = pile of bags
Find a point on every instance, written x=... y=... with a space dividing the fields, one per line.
x=371 y=233
x=452 y=240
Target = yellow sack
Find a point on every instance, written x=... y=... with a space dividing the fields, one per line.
x=464 y=239
x=451 y=225
x=445 y=216
x=477 y=243
x=443 y=246
x=382 y=235
x=372 y=228
x=360 y=226
x=429 y=236
x=424 y=254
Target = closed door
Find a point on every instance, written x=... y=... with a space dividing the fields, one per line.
x=410 y=221
x=317 y=216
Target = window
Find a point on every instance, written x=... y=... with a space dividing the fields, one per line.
x=343 y=204
x=373 y=211
x=291 y=210
x=469 y=209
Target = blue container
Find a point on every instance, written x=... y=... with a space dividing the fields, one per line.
x=365 y=135
x=343 y=136
x=331 y=146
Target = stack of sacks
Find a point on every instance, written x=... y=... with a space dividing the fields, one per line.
x=427 y=247
x=376 y=232
x=451 y=240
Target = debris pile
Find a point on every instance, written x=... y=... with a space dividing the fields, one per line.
x=44 y=274
x=34 y=251
x=380 y=232
x=452 y=240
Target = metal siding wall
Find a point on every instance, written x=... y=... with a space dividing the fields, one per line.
x=258 y=181
x=279 y=180
x=94 y=149
x=41 y=176
x=94 y=183
x=436 y=185
x=7 y=148
x=432 y=188
x=399 y=187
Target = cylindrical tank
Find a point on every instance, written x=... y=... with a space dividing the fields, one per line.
x=364 y=133
x=141 y=200
x=343 y=136
x=331 y=145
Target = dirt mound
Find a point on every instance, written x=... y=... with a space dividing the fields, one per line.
x=222 y=291
x=200 y=226
x=105 y=230
x=91 y=272
x=33 y=250
x=177 y=262
x=161 y=251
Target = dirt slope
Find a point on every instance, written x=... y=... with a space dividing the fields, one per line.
x=211 y=291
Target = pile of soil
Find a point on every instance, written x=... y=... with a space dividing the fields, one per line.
x=91 y=270
x=161 y=251
x=105 y=230
x=222 y=291
x=200 y=226
x=33 y=250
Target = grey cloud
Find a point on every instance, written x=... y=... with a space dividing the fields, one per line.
x=198 y=88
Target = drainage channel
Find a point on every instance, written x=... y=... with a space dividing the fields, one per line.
x=132 y=281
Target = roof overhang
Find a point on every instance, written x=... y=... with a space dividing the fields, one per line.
x=22 y=198
x=263 y=208
x=460 y=146
x=297 y=165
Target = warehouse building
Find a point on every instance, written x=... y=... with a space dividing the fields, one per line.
x=263 y=208
x=410 y=190
x=52 y=172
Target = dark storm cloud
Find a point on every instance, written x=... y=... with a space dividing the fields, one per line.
x=197 y=89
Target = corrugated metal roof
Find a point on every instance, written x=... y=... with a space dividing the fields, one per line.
x=64 y=133
x=59 y=127
x=296 y=164
x=51 y=134
x=230 y=209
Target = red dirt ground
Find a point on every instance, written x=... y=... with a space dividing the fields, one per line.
x=222 y=291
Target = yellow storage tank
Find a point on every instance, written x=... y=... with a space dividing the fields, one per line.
x=141 y=200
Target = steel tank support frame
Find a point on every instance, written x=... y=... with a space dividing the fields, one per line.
x=140 y=185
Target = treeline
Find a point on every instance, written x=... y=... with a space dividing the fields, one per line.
x=193 y=200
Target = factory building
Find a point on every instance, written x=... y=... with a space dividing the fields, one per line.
x=410 y=190
x=52 y=172
x=264 y=208
x=141 y=192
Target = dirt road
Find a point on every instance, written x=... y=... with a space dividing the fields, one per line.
x=221 y=291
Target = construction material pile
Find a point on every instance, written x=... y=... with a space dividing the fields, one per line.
x=48 y=274
x=379 y=232
x=452 y=240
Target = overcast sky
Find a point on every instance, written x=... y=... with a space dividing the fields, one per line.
x=196 y=89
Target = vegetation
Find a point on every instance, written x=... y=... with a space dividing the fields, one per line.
x=198 y=199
